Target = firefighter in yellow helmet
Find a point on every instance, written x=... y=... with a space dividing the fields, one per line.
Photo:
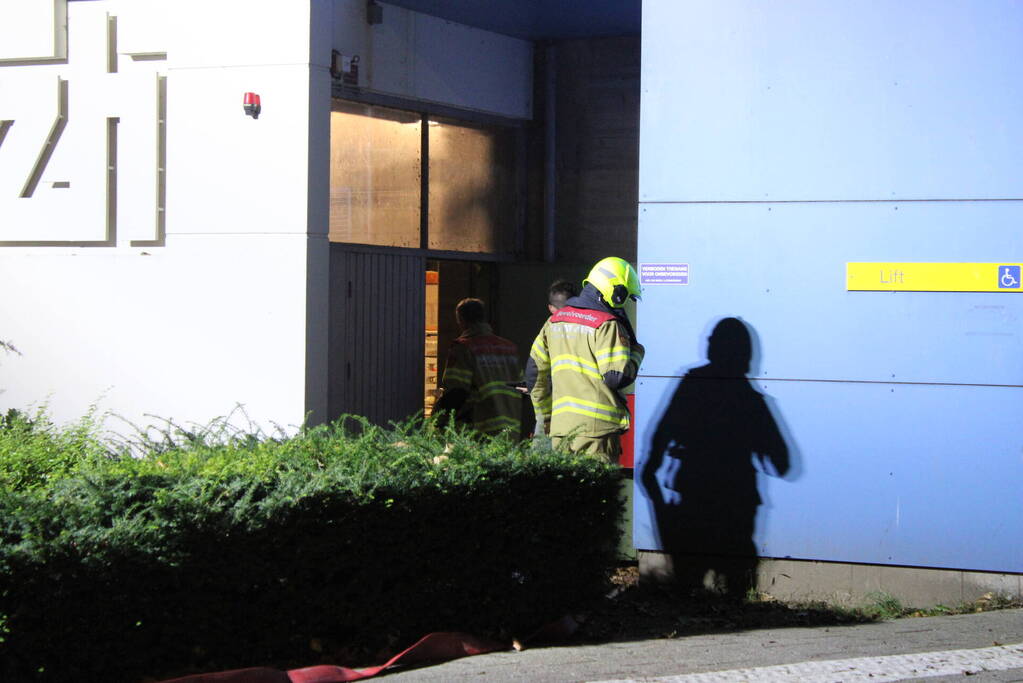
x=585 y=356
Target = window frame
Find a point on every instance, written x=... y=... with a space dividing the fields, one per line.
x=426 y=111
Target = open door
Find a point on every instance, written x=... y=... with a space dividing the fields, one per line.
x=447 y=283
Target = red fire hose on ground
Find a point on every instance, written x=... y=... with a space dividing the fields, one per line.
x=435 y=647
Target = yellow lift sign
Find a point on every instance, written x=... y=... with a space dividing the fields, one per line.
x=932 y=277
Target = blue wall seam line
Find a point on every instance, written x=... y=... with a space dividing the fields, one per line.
x=844 y=381
x=827 y=201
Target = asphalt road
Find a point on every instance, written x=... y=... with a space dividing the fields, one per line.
x=926 y=648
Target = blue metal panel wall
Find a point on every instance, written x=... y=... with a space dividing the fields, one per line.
x=831 y=99
x=780 y=140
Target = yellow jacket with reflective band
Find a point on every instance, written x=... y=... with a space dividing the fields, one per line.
x=484 y=365
x=573 y=352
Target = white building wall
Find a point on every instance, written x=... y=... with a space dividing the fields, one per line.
x=183 y=319
x=186 y=294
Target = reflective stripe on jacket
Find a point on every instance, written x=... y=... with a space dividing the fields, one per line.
x=576 y=354
x=484 y=365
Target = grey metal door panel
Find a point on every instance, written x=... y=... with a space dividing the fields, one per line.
x=376 y=334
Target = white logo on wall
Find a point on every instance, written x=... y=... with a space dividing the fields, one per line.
x=82 y=130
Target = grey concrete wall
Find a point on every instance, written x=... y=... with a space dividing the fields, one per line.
x=597 y=148
x=857 y=584
x=597 y=180
x=521 y=300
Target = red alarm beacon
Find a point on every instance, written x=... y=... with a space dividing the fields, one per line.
x=251 y=104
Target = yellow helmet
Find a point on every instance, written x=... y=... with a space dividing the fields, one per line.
x=616 y=280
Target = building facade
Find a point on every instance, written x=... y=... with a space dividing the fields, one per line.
x=168 y=253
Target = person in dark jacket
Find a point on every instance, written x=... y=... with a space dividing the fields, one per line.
x=558 y=294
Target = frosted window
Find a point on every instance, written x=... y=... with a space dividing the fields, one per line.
x=472 y=203
x=375 y=164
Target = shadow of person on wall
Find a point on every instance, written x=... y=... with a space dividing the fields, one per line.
x=701 y=471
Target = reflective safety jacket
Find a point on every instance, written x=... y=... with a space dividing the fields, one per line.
x=485 y=365
x=583 y=358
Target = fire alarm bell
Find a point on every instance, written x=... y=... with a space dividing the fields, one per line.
x=251 y=104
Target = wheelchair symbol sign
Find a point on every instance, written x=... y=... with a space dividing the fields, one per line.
x=1008 y=277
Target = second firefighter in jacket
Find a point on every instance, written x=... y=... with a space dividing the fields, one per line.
x=585 y=356
x=479 y=376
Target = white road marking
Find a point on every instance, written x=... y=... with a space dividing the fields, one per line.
x=873 y=669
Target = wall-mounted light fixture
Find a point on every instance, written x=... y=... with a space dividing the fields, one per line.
x=251 y=104
x=344 y=68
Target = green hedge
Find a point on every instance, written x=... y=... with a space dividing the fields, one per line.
x=205 y=554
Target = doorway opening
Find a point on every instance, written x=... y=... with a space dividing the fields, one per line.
x=446 y=283
x=416 y=189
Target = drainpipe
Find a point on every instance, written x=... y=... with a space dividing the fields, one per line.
x=550 y=154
